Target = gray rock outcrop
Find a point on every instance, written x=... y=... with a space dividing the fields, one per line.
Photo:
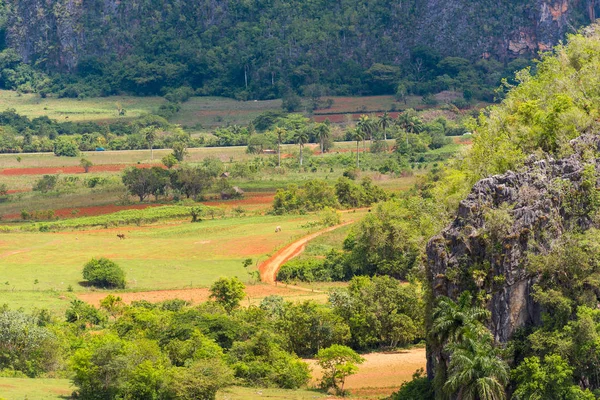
x=503 y=219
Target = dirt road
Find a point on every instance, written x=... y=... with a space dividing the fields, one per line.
x=269 y=268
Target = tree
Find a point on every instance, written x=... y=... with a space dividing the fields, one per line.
x=46 y=183
x=200 y=380
x=86 y=164
x=150 y=135
x=179 y=150
x=401 y=92
x=410 y=123
x=138 y=181
x=323 y=133
x=104 y=273
x=65 y=146
x=384 y=122
x=476 y=372
x=357 y=135
x=228 y=292
x=169 y=160
x=452 y=320
x=280 y=132
x=338 y=362
x=366 y=126
x=192 y=181
x=551 y=379
x=301 y=138
x=25 y=345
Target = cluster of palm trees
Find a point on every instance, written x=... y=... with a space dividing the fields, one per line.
x=476 y=370
x=301 y=137
x=368 y=126
x=365 y=130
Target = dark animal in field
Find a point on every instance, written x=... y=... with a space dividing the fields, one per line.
x=121 y=236
x=278 y=229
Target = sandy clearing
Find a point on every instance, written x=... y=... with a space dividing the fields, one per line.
x=269 y=268
x=195 y=296
x=382 y=373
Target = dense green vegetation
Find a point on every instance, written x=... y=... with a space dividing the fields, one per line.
x=172 y=350
x=254 y=50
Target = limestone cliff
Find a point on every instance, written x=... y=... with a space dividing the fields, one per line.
x=58 y=34
x=503 y=219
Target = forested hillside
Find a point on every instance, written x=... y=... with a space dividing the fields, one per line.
x=264 y=48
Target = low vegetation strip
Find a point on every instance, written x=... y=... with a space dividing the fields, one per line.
x=269 y=268
x=120 y=218
x=70 y=169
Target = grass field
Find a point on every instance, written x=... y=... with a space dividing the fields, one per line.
x=44 y=269
x=55 y=389
x=100 y=109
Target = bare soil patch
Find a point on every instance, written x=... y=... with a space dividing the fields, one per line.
x=197 y=295
x=382 y=373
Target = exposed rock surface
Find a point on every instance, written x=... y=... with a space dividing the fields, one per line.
x=538 y=205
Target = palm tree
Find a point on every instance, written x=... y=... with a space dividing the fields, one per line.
x=384 y=122
x=365 y=125
x=476 y=372
x=150 y=136
x=410 y=123
x=452 y=320
x=301 y=137
x=358 y=136
x=323 y=132
x=280 y=132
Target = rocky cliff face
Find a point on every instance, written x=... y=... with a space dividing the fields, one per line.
x=505 y=218
x=60 y=33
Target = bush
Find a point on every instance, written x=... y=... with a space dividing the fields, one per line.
x=419 y=388
x=330 y=217
x=104 y=273
x=46 y=183
x=25 y=345
x=66 y=147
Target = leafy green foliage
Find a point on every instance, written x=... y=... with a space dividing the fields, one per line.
x=544 y=111
x=228 y=292
x=380 y=312
x=551 y=379
x=390 y=240
x=26 y=345
x=338 y=362
x=104 y=273
x=419 y=388
x=64 y=146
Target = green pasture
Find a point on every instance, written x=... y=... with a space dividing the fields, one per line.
x=153 y=257
x=99 y=109
x=55 y=389
x=38 y=389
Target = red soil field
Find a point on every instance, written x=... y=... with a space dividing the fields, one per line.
x=250 y=199
x=72 y=169
x=339 y=118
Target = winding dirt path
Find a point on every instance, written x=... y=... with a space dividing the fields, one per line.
x=269 y=268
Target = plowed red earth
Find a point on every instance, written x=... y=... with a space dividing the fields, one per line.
x=72 y=169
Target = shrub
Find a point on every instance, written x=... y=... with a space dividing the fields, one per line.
x=67 y=147
x=46 y=183
x=330 y=217
x=104 y=273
